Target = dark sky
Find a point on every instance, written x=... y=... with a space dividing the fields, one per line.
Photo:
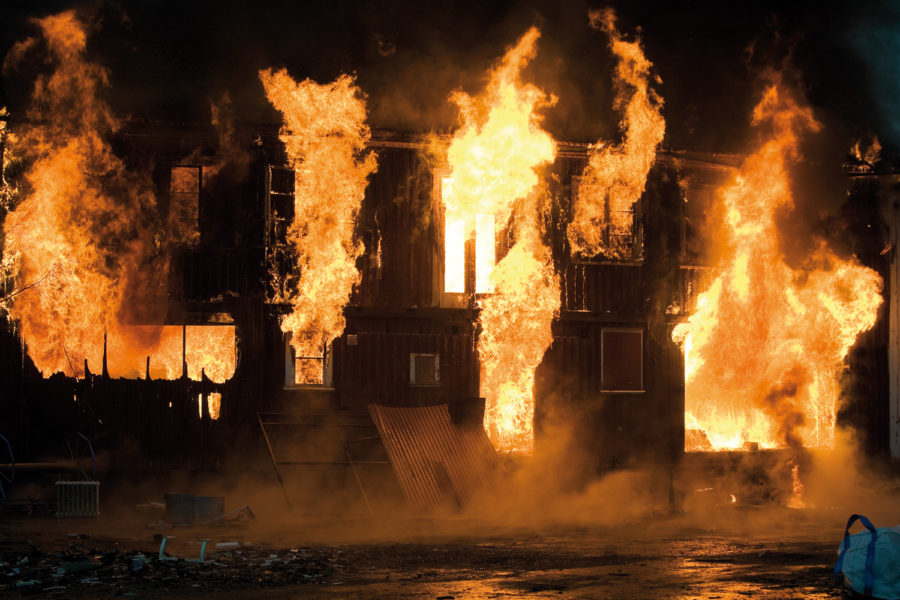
x=169 y=59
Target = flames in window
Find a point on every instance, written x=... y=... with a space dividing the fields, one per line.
x=615 y=175
x=83 y=245
x=205 y=349
x=459 y=234
x=325 y=135
x=493 y=185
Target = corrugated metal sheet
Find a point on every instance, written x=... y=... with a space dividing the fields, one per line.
x=435 y=461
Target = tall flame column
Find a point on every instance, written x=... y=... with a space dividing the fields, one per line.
x=492 y=160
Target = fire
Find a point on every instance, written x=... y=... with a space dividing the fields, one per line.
x=765 y=349
x=615 y=176
x=869 y=155
x=325 y=135
x=515 y=333
x=796 y=500
x=205 y=350
x=49 y=237
x=214 y=405
x=86 y=261
x=493 y=184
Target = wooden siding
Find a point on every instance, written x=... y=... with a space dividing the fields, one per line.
x=376 y=369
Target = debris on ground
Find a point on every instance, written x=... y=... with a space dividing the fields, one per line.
x=112 y=572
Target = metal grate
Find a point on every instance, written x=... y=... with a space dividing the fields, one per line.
x=77 y=498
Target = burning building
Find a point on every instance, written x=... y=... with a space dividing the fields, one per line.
x=169 y=284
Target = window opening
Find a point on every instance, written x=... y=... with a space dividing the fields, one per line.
x=185 y=184
x=306 y=370
x=622 y=360
x=622 y=230
x=424 y=369
x=469 y=248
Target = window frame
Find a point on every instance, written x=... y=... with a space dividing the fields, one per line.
x=290 y=367
x=412 y=369
x=603 y=387
x=470 y=247
x=271 y=215
x=635 y=248
x=197 y=236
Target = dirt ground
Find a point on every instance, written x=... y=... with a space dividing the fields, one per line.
x=719 y=552
x=620 y=536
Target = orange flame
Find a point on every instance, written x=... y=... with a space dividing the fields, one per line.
x=325 y=135
x=214 y=405
x=515 y=333
x=615 y=176
x=492 y=160
x=870 y=155
x=81 y=243
x=765 y=348
x=796 y=500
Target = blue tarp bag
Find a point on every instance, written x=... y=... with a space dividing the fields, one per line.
x=869 y=561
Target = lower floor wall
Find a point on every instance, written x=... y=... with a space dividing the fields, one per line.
x=581 y=409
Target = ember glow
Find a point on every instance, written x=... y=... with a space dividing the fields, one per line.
x=796 y=500
x=207 y=349
x=214 y=405
x=493 y=185
x=615 y=176
x=765 y=349
x=325 y=135
x=88 y=261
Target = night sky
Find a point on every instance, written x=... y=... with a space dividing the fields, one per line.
x=168 y=60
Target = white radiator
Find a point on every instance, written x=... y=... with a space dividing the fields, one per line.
x=77 y=498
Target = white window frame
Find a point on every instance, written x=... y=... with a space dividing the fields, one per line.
x=470 y=258
x=412 y=369
x=290 y=366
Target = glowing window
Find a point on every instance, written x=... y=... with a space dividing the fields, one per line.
x=621 y=230
x=469 y=247
x=454 y=256
x=163 y=350
x=309 y=369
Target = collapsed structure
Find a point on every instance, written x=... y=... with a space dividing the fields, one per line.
x=318 y=267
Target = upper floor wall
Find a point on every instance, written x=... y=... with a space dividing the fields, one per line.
x=231 y=220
